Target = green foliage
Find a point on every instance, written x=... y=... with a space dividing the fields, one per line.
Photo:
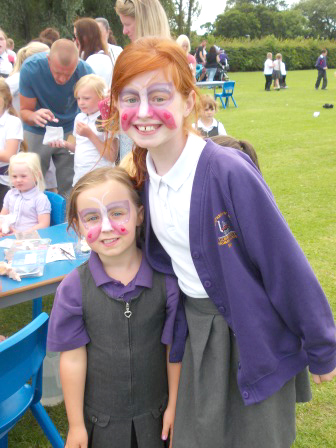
x=321 y=15
x=249 y=55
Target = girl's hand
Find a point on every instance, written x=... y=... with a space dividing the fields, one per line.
x=83 y=130
x=58 y=144
x=77 y=437
x=168 y=425
x=318 y=379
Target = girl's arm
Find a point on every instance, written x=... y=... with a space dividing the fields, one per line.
x=63 y=144
x=173 y=371
x=4 y=211
x=11 y=148
x=73 y=367
x=85 y=131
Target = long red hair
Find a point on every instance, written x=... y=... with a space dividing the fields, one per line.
x=144 y=55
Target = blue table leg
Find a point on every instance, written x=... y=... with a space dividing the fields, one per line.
x=37 y=307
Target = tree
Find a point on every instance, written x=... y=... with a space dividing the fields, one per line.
x=321 y=15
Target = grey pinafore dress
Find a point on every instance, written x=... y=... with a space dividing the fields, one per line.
x=210 y=411
x=126 y=387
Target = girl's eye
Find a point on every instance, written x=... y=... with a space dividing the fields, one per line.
x=158 y=99
x=91 y=218
x=130 y=100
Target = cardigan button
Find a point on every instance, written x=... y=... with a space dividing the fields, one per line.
x=239 y=365
x=207 y=283
x=222 y=309
x=246 y=394
x=94 y=419
x=196 y=255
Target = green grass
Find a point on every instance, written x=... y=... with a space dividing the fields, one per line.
x=297 y=155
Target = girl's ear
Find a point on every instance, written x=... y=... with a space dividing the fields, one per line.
x=140 y=217
x=189 y=104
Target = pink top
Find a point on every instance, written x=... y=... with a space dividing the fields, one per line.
x=191 y=59
x=26 y=207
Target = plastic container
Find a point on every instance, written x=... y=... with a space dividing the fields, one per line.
x=52 y=389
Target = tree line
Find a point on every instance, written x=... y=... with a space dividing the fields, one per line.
x=24 y=19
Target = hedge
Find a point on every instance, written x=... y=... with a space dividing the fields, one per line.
x=249 y=55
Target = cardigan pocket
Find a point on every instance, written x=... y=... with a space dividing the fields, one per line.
x=96 y=417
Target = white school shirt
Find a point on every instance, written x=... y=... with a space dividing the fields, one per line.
x=169 y=201
x=102 y=66
x=5 y=66
x=87 y=155
x=114 y=51
x=283 y=69
x=268 y=67
x=10 y=129
x=13 y=82
x=201 y=125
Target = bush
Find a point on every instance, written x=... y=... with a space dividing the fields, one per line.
x=298 y=54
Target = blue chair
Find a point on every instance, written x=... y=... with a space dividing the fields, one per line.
x=227 y=92
x=21 y=358
x=58 y=206
x=57 y=216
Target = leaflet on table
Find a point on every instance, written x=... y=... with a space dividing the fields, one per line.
x=62 y=251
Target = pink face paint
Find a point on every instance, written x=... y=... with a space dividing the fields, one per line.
x=147 y=103
x=107 y=218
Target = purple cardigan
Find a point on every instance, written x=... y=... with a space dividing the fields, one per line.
x=256 y=274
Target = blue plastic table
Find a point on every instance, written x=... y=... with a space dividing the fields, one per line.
x=13 y=292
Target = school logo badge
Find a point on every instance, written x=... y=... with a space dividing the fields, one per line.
x=224 y=231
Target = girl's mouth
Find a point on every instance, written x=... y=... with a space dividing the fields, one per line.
x=147 y=129
x=110 y=241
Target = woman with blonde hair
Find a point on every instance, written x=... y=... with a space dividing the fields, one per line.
x=142 y=18
x=13 y=79
x=184 y=42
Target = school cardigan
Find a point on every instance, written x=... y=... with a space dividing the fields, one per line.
x=255 y=272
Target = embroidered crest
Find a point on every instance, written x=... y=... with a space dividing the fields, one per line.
x=224 y=231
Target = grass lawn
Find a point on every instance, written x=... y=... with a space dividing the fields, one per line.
x=297 y=155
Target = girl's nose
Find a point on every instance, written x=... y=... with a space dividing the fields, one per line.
x=144 y=109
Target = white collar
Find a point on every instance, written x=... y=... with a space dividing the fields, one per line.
x=92 y=117
x=26 y=194
x=182 y=168
x=202 y=125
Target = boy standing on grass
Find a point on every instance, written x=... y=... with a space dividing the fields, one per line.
x=321 y=65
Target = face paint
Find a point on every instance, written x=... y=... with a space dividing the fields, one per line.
x=106 y=218
x=149 y=102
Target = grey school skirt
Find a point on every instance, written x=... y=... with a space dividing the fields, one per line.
x=210 y=411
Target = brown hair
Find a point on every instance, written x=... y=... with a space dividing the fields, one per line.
x=241 y=145
x=89 y=37
x=144 y=55
x=94 y=178
x=6 y=95
x=206 y=101
x=50 y=33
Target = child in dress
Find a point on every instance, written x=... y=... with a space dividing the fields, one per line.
x=110 y=320
x=25 y=201
x=207 y=124
x=89 y=144
x=11 y=135
x=251 y=297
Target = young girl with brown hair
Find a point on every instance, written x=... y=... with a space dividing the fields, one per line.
x=113 y=322
x=251 y=298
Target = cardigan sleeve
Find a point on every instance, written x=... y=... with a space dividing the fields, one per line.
x=286 y=274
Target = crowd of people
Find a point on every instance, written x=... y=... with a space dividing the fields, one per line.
x=215 y=63
x=194 y=322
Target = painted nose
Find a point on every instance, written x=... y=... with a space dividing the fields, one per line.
x=144 y=109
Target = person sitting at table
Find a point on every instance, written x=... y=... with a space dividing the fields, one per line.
x=25 y=201
x=207 y=124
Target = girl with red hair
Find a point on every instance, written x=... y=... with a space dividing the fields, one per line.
x=250 y=295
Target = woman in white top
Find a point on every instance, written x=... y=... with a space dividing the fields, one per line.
x=268 y=70
x=93 y=49
x=13 y=79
